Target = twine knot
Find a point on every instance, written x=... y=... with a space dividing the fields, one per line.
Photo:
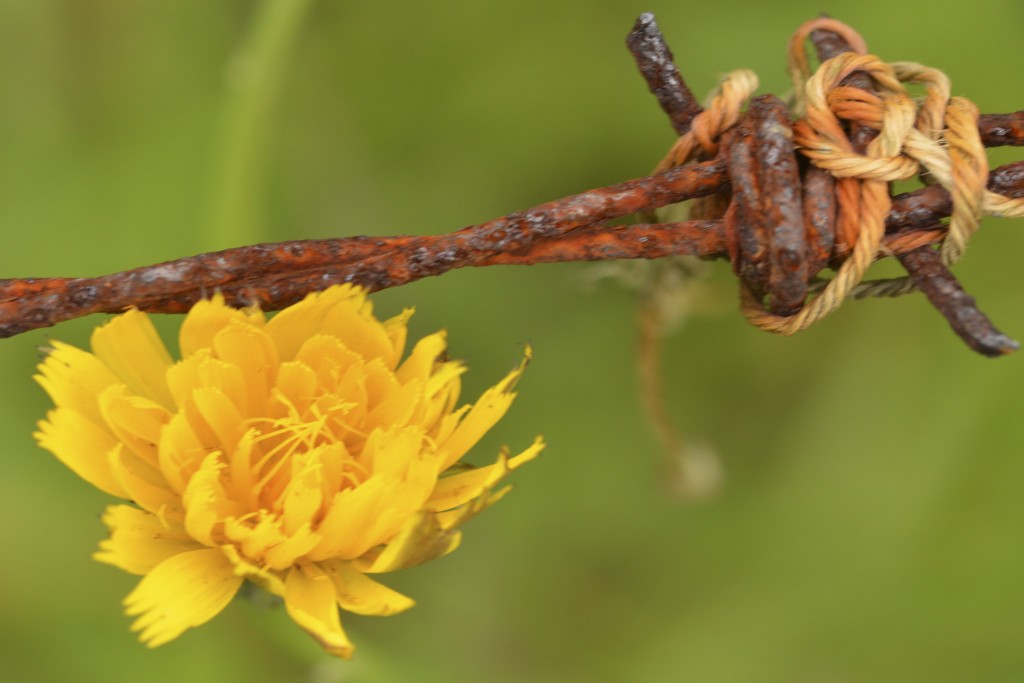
x=857 y=122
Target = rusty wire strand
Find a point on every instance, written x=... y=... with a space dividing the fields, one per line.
x=716 y=142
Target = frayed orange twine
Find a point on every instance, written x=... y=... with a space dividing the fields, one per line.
x=935 y=137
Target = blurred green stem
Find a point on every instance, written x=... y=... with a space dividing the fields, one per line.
x=252 y=83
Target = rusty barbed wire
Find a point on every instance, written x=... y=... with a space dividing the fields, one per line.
x=779 y=224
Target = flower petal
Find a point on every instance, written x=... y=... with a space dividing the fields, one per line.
x=294 y=325
x=422 y=539
x=457 y=489
x=140 y=540
x=183 y=591
x=440 y=382
x=328 y=357
x=311 y=601
x=136 y=420
x=361 y=331
x=181 y=452
x=296 y=387
x=445 y=384
x=250 y=349
x=403 y=477
x=131 y=348
x=74 y=378
x=302 y=499
x=202 y=370
x=207 y=318
x=490 y=408
x=359 y=594
x=290 y=550
x=424 y=363
x=206 y=501
x=82 y=445
x=451 y=519
x=343 y=531
x=221 y=414
x=267 y=580
x=254 y=534
x=144 y=484
x=397 y=329
x=397 y=407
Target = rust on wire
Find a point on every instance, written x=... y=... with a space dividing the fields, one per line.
x=998 y=130
x=657 y=65
x=275 y=275
x=934 y=279
x=786 y=220
x=766 y=213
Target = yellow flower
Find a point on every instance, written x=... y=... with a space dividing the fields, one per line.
x=300 y=453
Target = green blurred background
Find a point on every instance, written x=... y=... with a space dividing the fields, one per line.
x=870 y=523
